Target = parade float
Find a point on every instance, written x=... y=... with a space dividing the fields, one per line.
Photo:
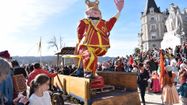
x=119 y=88
x=95 y=88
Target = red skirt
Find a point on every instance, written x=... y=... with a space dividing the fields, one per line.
x=156 y=85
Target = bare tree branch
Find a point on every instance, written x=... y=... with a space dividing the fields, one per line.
x=53 y=43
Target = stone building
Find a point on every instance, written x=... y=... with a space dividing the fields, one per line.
x=152 y=26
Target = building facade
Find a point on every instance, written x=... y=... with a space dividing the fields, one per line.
x=152 y=26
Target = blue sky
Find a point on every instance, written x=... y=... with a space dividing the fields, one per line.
x=23 y=22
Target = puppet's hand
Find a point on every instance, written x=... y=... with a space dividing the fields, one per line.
x=119 y=4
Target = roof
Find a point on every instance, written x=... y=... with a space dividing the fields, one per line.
x=66 y=51
x=151 y=4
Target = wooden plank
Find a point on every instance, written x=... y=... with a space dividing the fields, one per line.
x=106 y=88
x=127 y=80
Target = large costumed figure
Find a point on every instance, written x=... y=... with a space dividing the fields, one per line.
x=93 y=35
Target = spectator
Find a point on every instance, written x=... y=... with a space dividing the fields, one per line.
x=153 y=66
x=173 y=64
x=39 y=94
x=105 y=66
x=135 y=68
x=6 y=87
x=130 y=62
x=119 y=66
x=183 y=88
x=99 y=66
x=66 y=70
x=4 y=71
x=17 y=69
x=38 y=70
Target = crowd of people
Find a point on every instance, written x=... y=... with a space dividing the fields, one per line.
x=152 y=76
x=170 y=81
x=14 y=78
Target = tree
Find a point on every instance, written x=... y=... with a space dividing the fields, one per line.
x=137 y=50
x=53 y=43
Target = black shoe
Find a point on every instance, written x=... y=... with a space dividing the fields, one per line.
x=143 y=102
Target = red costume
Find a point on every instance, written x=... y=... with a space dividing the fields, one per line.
x=93 y=35
x=93 y=41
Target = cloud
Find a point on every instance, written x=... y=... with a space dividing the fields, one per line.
x=17 y=14
x=20 y=15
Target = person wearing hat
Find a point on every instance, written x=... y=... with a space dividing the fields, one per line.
x=4 y=71
x=5 y=54
x=169 y=92
x=6 y=87
x=93 y=35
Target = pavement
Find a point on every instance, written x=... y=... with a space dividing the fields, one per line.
x=150 y=98
x=154 y=99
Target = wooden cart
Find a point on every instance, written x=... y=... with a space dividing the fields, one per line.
x=80 y=89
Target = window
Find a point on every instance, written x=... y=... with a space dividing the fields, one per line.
x=153 y=35
x=154 y=45
x=152 y=18
x=152 y=10
x=153 y=27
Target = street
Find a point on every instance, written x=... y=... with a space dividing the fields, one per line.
x=153 y=99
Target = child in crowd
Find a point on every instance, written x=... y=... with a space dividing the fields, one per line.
x=39 y=94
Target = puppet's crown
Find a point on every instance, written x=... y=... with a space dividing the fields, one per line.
x=92 y=4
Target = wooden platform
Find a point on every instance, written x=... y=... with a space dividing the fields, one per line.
x=80 y=89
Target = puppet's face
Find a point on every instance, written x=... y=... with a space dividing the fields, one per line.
x=93 y=13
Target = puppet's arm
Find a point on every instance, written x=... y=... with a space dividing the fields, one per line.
x=119 y=5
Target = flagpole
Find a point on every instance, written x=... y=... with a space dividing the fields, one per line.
x=40 y=49
x=162 y=70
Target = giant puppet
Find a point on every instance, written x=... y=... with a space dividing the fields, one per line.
x=93 y=35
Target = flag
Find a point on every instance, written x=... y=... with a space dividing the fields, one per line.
x=162 y=69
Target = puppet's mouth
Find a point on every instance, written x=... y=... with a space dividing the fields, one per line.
x=94 y=18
